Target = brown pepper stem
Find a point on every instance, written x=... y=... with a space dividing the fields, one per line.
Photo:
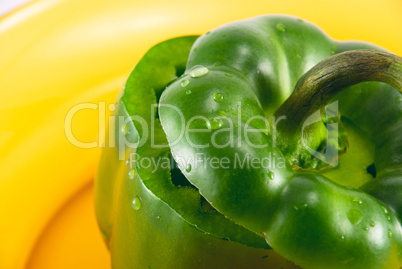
x=320 y=84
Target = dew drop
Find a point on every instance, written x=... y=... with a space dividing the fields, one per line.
x=214 y=123
x=188 y=92
x=184 y=83
x=355 y=216
x=198 y=71
x=298 y=56
x=124 y=129
x=389 y=233
x=342 y=237
x=372 y=223
x=188 y=168
x=218 y=97
x=159 y=218
x=357 y=200
x=228 y=75
x=280 y=27
x=365 y=228
x=389 y=217
x=136 y=204
x=271 y=175
x=131 y=174
x=384 y=209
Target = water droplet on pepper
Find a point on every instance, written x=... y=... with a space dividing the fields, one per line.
x=131 y=174
x=136 y=204
x=355 y=216
x=214 y=123
x=357 y=200
x=218 y=97
x=124 y=129
x=280 y=27
x=271 y=175
x=184 y=83
x=198 y=71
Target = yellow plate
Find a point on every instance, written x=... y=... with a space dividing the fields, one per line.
x=57 y=54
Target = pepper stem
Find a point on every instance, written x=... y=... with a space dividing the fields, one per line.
x=320 y=84
x=315 y=89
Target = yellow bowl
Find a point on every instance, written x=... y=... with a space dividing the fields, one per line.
x=56 y=55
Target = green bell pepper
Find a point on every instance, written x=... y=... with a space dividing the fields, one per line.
x=228 y=153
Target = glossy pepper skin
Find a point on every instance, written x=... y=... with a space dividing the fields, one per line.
x=199 y=216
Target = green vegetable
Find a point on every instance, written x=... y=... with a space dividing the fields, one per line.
x=220 y=161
